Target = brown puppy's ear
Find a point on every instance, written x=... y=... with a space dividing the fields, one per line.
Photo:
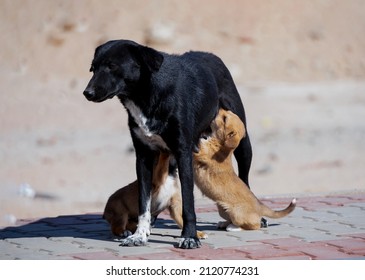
x=151 y=58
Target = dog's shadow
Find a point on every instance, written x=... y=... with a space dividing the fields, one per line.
x=90 y=226
x=86 y=226
x=170 y=224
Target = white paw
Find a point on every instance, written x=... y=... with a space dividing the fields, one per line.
x=139 y=238
x=232 y=227
x=134 y=240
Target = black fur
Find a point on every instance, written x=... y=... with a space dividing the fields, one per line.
x=179 y=95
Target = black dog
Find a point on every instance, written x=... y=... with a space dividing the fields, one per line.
x=170 y=100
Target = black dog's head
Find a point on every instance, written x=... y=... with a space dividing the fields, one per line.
x=119 y=67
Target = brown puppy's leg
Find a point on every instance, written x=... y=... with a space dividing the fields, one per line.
x=119 y=225
x=131 y=226
x=160 y=171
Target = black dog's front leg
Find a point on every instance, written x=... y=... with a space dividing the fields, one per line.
x=189 y=239
x=144 y=166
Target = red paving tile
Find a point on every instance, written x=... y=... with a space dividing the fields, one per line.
x=206 y=209
x=160 y=256
x=269 y=253
x=323 y=252
x=230 y=254
x=291 y=257
x=262 y=251
x=349 y=245
x=286 y=243
x=358 y=253
x=94 y=256
x=203 y=253
x=356 y=235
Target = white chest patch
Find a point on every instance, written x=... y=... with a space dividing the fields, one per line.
x=161 y=200
x=143 y=131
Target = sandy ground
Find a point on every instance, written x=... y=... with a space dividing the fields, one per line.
x=300 y=70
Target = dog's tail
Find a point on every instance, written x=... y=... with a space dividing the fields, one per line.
x=268 y=212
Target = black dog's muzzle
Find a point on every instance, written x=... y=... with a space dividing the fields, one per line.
x=94 y=96
x=89 y=94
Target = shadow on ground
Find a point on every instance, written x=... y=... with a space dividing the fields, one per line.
x=87 y=226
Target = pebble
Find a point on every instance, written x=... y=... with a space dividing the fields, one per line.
x=10 y=219
x=160 y=33
x=26 y=190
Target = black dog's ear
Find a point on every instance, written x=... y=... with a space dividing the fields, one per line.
x=151 y=58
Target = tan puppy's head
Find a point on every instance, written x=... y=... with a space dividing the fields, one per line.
x=228 y=128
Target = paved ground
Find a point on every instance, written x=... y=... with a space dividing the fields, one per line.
x=322 y=227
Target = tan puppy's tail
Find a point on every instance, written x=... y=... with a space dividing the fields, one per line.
x=267 y=212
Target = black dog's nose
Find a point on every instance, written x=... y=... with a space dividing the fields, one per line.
x=89 y=93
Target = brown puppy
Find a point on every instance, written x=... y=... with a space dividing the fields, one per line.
x=216 y=178
x=121 y=210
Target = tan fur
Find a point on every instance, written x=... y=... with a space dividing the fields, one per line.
x=121 y=210
x=216 y=178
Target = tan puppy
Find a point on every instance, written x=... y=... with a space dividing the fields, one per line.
x=216 y=178
x=121 y=210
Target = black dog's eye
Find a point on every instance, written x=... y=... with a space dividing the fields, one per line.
x=112 y=66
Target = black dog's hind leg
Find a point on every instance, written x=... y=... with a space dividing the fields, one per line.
x=243 y=155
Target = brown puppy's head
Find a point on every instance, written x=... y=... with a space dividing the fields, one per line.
x=228 y=128
x=121 y=209
x=112 y=216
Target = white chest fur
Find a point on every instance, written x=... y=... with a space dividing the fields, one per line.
x=162 y=198
x=143 y=132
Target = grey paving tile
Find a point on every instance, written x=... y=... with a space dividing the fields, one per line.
x=7 y=250
x=311 y=235
x=335 y=229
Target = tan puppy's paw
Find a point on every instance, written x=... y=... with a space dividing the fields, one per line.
x=201 y=234
x=232 y=227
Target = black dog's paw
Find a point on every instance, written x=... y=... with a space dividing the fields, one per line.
x=189 y=243
x=264 y=223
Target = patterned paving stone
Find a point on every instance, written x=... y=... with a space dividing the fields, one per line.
x=322 y=227
x=348 y=245
x=325 y=253
x=97 y=255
